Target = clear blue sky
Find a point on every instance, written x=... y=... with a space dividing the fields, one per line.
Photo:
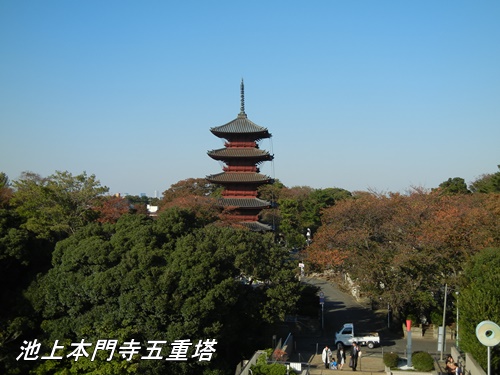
x=358 y=94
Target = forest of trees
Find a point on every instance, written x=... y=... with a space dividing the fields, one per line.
x=78 y=264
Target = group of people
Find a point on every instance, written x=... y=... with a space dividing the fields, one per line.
x=338 y=363
x=452 y=367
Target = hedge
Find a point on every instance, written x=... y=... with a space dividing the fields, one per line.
x=391 y=360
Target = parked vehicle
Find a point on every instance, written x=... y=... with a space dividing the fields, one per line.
x=346 y=336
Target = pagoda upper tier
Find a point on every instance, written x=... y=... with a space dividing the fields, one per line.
x=240 y=178
x=245 y=155
x=241 y=129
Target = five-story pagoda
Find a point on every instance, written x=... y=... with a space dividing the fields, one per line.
x=240 y=177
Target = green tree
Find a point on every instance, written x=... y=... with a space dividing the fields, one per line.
x=191 y=186
x=164 y=279
x=455 y=185
x=488 y=183
x=108 y=281
x=58 y=205
x=316 y=202
x=22 y=257
x=231 y=282
x=479 y=300
x=289 y=225
x=271 y=192
x=5 y=190
x=4 y=180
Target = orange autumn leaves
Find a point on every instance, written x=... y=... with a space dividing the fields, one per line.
x=441 y=226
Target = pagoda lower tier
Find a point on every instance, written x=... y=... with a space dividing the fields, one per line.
x=246 y=211
x=240 y=196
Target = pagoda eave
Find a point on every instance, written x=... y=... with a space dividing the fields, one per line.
x=257 y=136
x=242 y=203
x=257 y=226
x=240 y=126
x=243 y=153
x=237 y=178
x=230 y=159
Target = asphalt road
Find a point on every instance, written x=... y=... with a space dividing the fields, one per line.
x=341 y=307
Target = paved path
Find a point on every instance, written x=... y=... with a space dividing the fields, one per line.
x=340 y=308
x=366 y=365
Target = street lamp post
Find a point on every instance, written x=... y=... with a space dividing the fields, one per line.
x=443 y=344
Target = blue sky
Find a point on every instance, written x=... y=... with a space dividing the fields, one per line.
x=358 y=94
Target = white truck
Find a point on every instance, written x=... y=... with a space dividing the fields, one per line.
x=346 y=337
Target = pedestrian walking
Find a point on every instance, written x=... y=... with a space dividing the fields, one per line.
x=355 y=354
x=326 y=355
x=340 y=357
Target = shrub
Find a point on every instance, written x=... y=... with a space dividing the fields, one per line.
x=269 y=369
x=262 y=359
x=391 y=360
x=422 y=361
x=264 y=368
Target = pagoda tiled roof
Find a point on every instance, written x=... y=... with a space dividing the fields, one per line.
x=239 y=177
x=244 y=202
x=257 y=226
x=241 y=125
x=240 y=152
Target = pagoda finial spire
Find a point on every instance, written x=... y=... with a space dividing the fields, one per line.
x=242 y=94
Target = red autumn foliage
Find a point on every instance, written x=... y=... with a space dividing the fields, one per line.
x=402 y=247
x=111 y=208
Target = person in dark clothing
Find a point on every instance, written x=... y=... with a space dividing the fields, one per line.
x=340 y=357
x=355 y=353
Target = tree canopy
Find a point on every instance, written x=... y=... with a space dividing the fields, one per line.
x=167 y=280
x=402 y=248
x=56 y=206
x=5 y=190
x=77 y=264
x=455 y=185
x=479 y=300
x=488 y=183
